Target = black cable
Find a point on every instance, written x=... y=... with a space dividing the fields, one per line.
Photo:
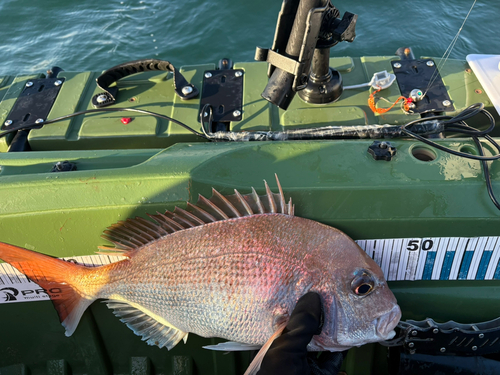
x=457 y=124
x=486 y=172
x=38 y=126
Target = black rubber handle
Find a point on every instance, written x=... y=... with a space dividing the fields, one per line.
x=183 y=88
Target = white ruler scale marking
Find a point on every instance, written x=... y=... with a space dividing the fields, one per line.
x=485 y=258
x=442 y=245
x=443 y=258
x=377 y=252
x=476 y=258
x=429 y=246
x=395 y=260
x=495 y=256
x=449 y=256
x=386 y=257
x=457 y=258
x=436 y=258
x=422 y=257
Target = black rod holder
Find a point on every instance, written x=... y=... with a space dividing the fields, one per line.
x=279 y=88
x=325 y=84
x=305 y=32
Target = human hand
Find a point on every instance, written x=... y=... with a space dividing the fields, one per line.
x=288 y=354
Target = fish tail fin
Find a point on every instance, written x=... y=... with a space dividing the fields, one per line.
x=61 y=280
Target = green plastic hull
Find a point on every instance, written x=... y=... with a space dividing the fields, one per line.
x=152 y=166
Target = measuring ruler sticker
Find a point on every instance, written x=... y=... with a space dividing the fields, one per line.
x=467 y=259
x=377 y=251
x=386 y=257
x=436 y=258
x=485 y=258
x=429 y=246
x=442 y=245
x=457 y=259
x=412 y=263
x=395 y=263
x=449 y=256
x=476 y=258
x=495 y=256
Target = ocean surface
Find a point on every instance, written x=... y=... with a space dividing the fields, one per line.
x=96 y=35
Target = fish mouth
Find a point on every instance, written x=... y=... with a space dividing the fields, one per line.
x=386 y=323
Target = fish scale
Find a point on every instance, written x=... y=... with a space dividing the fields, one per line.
x=230 y=267
x=218 y=274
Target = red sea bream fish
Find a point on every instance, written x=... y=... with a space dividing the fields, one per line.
x=230 y=267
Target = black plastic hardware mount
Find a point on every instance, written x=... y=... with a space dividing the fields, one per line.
x=34 y=103
x=223 y=91
x=421 y=74
x=63 y=166
x=382 y=150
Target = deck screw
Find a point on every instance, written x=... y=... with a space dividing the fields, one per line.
x=39 y=121
x=208 y=75
x=446 y=103
x=102 y=98
x=411 y=345
x=397 y=65
x=481 y=335
x=29 y=84
x=238 y=73
x=186 y=90
x=8 y=122
x=412 y=351
x=430 y=63
x=435 y=330
x=442 y=350
x=58 y=83
x=236 y=113
x=414 y=333
x=474 y=348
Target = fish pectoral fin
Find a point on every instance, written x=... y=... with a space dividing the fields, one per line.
x=232 y=346
x=152 y=329
x=257 y=361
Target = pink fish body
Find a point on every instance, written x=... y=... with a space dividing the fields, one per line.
x=230 y=267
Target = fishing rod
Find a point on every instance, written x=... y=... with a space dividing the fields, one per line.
x=447 y=53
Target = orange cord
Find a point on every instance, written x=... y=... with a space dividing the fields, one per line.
x=371 y=103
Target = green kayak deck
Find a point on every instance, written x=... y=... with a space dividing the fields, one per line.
x=151 y=164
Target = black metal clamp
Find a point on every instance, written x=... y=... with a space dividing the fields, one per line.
x=450 y=338
x=182 y=87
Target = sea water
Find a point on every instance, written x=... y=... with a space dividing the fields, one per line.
x=96 y=35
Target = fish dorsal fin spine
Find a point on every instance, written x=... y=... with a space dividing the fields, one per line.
x=131 y=234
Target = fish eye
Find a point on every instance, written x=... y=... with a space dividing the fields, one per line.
x=363 y=284
x=363 y=289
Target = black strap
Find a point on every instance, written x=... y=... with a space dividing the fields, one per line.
x=183 y=88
